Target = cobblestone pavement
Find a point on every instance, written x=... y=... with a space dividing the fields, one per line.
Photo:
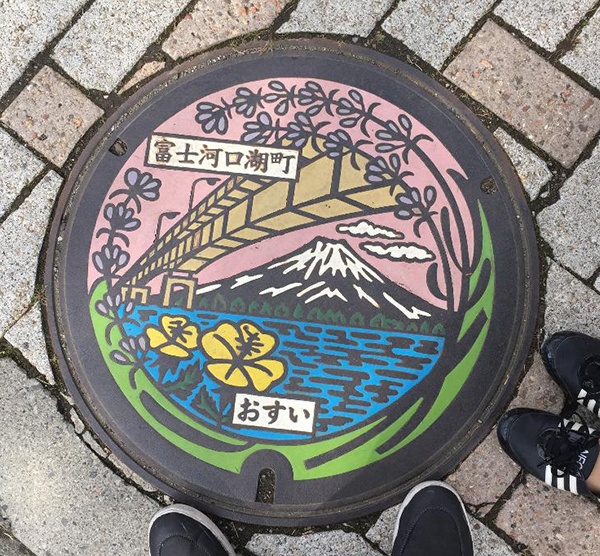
x=529 y=69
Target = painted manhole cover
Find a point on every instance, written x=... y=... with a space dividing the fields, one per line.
x=289 y=282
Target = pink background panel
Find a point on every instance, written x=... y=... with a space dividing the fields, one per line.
x=177 y=185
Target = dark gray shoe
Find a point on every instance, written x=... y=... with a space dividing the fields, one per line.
x=180 y=530
x=573 y=361
x=432 y=522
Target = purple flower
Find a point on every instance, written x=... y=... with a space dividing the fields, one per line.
x=246 y=102
x=121 y=217
x=132 y=345
x=405 y=123
x=335 y=143
x=260 y=130
x=119 y=358
x=109 y=304
x=429 y=195
x=142 y=185
x=282 y=96
x=212 y=117
x=390 y=132
x=345 y=107
x=378 y=171
x=310 y=93
x=300 y=130
x=110 y=258
x=409 y=203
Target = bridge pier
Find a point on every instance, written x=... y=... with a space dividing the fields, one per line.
x=174 y=284
x=138 y=294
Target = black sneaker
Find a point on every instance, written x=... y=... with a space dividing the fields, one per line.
x=559 y=452
x=432 y=522
x=180 y=530
x=573 y=361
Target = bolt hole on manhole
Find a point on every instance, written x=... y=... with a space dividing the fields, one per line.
x=265 y=491
x=306 y=268
x=488 y=185
x=118 y=148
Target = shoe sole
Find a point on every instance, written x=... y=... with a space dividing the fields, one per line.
x=416 y=491
x=198 y=516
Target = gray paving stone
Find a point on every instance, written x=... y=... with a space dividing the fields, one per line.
x=60 y=498
x=9 y=546
x=570 y=225
x=532 y=170
x=525 y=90
x=485 y=541
x=329 y=543
x=537 y=390
x=583 y=59
x=570 y=304
x=551 y=522
x=51 y=115
x=213 y=22
x=546 y=23
x=77 y=422
x=131 y=475
x=91 y=442
x=144 y=72
x=21 y=237
x=350 y=17
x=486 y=474
x=18 y=166
x=110 y=37
x=433 y=29
x=26 y=28
x=27 y=335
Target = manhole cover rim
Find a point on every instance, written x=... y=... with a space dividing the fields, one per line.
x=495 y=155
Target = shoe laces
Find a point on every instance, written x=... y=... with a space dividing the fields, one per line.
x=562 y=446
x=590 y=376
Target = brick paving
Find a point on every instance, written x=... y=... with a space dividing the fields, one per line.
x=582 y=59
x=522 y=88
x=213 y=22
x=100 y=49
x=546 y=24
x=532 y=170
x=51 y=115
x=530 y=67
x=354 y=17
x=573 y=236
x=434 y=31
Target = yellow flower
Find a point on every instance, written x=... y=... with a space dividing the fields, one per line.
x=237 y=356
x=177 y=336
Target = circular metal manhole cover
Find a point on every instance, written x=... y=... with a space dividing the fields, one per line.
x=289 y=282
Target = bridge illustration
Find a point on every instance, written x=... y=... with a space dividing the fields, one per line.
x=244 y=209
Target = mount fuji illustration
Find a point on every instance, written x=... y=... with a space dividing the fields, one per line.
x=325 y=274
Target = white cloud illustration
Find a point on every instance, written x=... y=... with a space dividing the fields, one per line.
x=365 y=228
x=410 y=252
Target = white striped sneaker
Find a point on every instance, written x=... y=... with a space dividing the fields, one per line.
x=573 y=361
x=559 y=452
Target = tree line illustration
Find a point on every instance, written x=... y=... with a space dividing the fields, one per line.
x=218 y=303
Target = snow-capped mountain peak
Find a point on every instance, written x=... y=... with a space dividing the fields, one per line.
x=328 y=257
x=326 y=275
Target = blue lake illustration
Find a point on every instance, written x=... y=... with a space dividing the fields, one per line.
x=350 y=373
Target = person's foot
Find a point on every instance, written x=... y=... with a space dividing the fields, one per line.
x=180 y=530
x=573 y=361
x=432 y=521
x=561 y=453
